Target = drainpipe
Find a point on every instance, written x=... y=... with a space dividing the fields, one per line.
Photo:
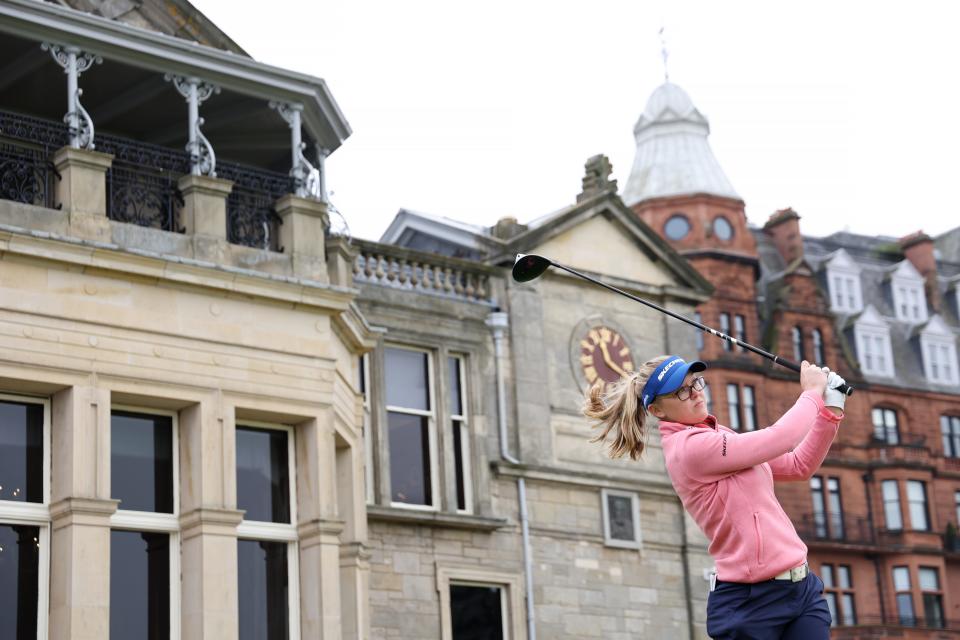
x=498 y=321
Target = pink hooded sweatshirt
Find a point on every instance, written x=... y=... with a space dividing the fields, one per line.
x=725 y=480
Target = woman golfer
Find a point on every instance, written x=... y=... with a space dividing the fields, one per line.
x=763 y=587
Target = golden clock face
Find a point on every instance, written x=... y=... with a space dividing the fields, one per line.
x=604 y=356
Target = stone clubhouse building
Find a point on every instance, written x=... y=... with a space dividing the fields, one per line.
x=221 y=418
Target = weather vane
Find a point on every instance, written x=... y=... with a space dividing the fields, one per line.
x=665 y=54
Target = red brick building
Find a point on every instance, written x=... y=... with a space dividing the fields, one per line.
x=880 y=517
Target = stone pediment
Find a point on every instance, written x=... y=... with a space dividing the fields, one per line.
x=604 y=237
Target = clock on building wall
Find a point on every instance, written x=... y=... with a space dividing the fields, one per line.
x=604 y=355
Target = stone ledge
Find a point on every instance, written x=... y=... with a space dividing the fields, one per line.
x=583 y=479
x=434 y=519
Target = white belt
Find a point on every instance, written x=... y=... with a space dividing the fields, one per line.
x=796 y=574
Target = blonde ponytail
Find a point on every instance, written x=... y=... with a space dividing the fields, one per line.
x=619 y=413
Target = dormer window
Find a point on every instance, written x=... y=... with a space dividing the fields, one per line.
x=843 y=280
x=939 y=352
x=872 y=337
x=909 y=301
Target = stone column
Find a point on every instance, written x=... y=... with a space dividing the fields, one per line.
x=82 y=191
x=318 y=529
x=302 y=235
x=208 y=521
x=80 y=512
x=354 y=557
x=204 y=215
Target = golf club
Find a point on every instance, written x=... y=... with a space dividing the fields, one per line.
x=529 y=267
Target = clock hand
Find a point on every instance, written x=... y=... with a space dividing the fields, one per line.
x=609 y=361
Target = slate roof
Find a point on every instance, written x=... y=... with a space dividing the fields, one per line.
x=877 y=257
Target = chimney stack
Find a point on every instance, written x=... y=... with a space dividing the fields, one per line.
x=918 y=248
x=783 y=227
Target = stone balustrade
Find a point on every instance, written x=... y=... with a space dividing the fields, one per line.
x=436 y=274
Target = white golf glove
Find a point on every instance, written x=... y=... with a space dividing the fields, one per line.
x=831 y=396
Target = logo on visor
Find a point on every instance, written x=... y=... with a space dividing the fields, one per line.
x=667 y=368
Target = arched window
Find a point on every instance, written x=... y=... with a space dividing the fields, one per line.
x=797 y=344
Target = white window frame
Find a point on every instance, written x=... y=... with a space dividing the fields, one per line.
x=843 y=284
x=816 y=344
x=279 y=531
x=147 y=521
x=36 y=515
x=938 y=351
x=431 y=416
x=463 y=419
x=909 y=299
x=364 y=373
x=510 y=585
x=637 y=542
x=872 y=337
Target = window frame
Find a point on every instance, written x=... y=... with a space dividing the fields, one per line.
x=463 y=418
x=816 y=343
x=950 y=435
x=907 y=294
x=151 y=522
x=740 y=330
x=363 y=375
x=749 y=409
x=880 y=349
x=733 y=406
x=796 y=339
x=936 y=593
x=637 y=542
x=432 y=435
x=888 y=502
x=725 y=329
x=510 y=584
x=928 y=525
x=36 y=514
x=257 y=530
x=884 y=412
x=833 y=587
x=846 y=297
x=944 y=357
x=910 y=621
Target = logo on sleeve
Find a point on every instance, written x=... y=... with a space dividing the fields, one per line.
x=724 y=452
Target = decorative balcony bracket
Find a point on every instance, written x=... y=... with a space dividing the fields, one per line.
x=307 y=179
x=203 y=161
x=74 y=62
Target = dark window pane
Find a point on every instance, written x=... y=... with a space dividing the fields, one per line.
x=620 y=512
x=475 y=613
x=21 y=451
x=458 y=463
x=933 y=610
x=453 y=369
x=139 y=585
x=407 y=383
x=409 y=458
x=141 y=461
x=905 y=609
x=19 y=562
x=262 y=590
x=263 y=475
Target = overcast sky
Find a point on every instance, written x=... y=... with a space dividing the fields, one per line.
x=849 y=112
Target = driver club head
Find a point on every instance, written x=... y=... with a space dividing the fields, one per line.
x=529 y=266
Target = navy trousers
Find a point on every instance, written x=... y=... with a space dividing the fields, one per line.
x=771 y=610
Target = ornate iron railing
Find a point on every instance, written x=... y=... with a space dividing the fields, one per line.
x=141 y=183
x=26 y=147
x=401 y=268
x=251 y=218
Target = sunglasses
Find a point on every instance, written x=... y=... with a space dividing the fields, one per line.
x=684 y=392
